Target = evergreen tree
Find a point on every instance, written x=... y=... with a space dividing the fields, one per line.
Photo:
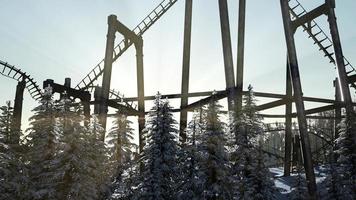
x=7 y=155
x=341 y=181
x=120 y=140
x=189 y=186
x=213 y=160
x=99 y=157
x=6 y=122
x=80 y=158
x=42 y=148
x=160 y=154
x=250 y=176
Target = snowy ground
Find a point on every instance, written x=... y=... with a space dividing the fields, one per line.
x=285 y=184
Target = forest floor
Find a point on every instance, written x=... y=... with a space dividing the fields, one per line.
x=285 y=185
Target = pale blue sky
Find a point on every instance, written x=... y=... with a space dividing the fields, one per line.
x=66 y=38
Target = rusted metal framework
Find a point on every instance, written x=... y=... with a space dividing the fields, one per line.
x=294 y=16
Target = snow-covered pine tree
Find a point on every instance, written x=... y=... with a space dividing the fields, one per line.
x=213 y=159
x=120 y=138
x=80 y=156
x=160 y=154
x=250 y=176
x=341 y=181
x=120 y=141
x=189 y=185
x=262 y=179
x=100 y=156
x=6 y=122
x=7 y=155
x=42 y=148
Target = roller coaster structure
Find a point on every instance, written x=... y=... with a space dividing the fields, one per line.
x=294 y=16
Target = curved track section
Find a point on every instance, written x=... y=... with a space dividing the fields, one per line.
x=14 y=73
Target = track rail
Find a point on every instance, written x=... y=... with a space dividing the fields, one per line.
x=119 y=49
x=14 y=73
x=319 y=36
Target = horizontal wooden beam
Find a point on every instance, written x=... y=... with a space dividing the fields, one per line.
x=308 y=17
x=128 y=110
x=209 y=93
x=58 y=88
x=272 y=104
x=308 y=116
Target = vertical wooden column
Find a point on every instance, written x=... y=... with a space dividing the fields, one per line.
x=227 y=51
x=17 y=115
x=185 y=68
x=97 y=94
x=140 y=90
x=107 y=71
x=338 y=101
x=339 y=58
x=67 y=82
x=86 y=109
x=240 y=54
x=298 y=97
x=288 y=124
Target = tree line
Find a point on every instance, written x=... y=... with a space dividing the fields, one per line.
x=61 y=156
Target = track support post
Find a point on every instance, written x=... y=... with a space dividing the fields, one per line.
x=185 y=68
x=103 y=109
x=339 y=58
x=298 y=96
x=140 y=91
x=17 y=115
x=288 y=124
x=227 y=51
x=240 y=54
x=338 y=101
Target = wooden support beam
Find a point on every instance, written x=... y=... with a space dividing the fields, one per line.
x=337 y=108
x=217 y=96
x=58 y=88
x=84 y=96
x=209 y=93
x=240 y=54
x=140 y=92
x=288 y=140
x=308 y=117
x=185 y=68
x=127 y=110
x=298 y=96
x=340 y=63
x=17 y=115
x=318 y=110
x=105 y=90
x=311 y=15
x=126 y=32
x=227 y=52
x=272 y=104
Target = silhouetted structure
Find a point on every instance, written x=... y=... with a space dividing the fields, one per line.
x=294 y=16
